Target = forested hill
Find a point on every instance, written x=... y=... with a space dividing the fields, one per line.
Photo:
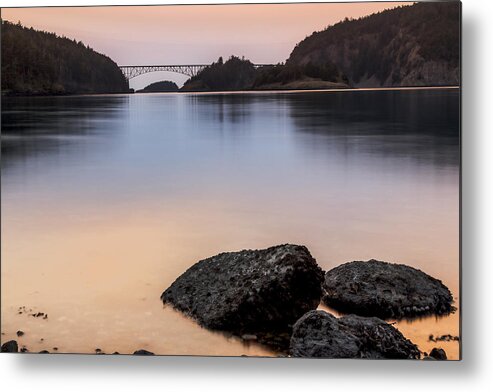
x=240 y=74
x=160 y=87
x=36 y=62
x=234 y=74
x=417 y=45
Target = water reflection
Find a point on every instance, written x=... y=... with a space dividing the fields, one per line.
x=418 y=125
x=36 y=126
x=106 y=200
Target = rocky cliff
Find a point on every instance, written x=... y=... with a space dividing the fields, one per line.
x=416 y=45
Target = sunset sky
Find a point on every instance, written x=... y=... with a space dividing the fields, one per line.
x=198 y=34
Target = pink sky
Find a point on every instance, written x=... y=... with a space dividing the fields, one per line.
x=132 y=35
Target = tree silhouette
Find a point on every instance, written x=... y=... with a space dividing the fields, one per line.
x=37 y=62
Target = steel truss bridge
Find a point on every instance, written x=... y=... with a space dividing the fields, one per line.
x=132 y=71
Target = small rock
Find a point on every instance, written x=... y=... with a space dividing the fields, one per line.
x=44 y=352
x=24 y=350
x=98 y=350
x=10 y=347
x=20 y=333
x=438 y=353
x=55 y=348
x=143 y=352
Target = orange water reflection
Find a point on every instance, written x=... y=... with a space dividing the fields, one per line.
x=100 y=282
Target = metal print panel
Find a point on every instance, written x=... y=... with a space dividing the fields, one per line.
x=278 y=180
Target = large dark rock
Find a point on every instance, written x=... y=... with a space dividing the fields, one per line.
x=319 y=334
x=251 y=291
x=10 y=347
x=385 y=290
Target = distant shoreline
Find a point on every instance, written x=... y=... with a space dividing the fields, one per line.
x=314 y=90
x=227 y=92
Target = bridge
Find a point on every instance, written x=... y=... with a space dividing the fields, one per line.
x=132 y=71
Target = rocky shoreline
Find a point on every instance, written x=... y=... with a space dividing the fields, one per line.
x=271 y=297
x=12 y=346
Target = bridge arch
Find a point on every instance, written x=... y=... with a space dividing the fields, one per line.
x=132 y=71
x=190 y=70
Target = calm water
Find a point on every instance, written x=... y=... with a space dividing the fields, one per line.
x=107 y=199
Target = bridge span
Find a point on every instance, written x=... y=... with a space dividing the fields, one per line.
x=132 y=71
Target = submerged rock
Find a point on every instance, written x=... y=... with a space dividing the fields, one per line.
x=143 y=352
x=10 y=347
x=385 y=290
x=319 y=334
x=443 y=338
x=251 y=291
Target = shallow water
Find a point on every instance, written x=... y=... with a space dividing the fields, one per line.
x=107 y=199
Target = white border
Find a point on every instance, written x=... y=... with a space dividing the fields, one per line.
x=474 y=373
